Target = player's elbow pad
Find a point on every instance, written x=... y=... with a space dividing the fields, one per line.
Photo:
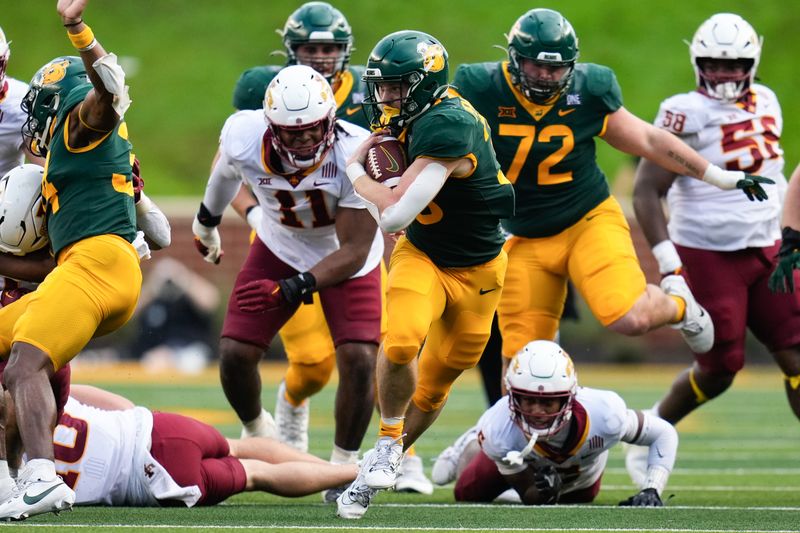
x=419 y=194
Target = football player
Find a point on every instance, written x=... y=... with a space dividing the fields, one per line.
x=548 y=439
x=447 y=271
x=724 y=245
x=111 y=452
x=315 y=237
x=74 y=112
x=544 y=110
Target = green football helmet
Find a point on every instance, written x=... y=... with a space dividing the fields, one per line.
x=318 y=23
x=417 y=61
x=545 y=37
x=49 y=87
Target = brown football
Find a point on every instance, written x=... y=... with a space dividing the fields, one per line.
x=386 y=161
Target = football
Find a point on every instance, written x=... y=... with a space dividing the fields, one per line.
x=386 y=161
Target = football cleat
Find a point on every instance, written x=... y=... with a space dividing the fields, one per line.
x=380 y=468
x=696 y=327
x=34 y=496
x=353 y=502
x=445 y=469
x=291 y=421
x=331 y=495
x=411 y=476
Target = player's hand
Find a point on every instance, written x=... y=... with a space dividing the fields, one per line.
x=359 y=155
x=259 y=296
x=137 y=180
x=646 y=498
x=548 y=482
x=782 y=279
x=751 y=185
x=207 y=241
x=298 y=288
x=71 y=10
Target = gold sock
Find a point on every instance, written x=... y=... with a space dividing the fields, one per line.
x=390 y=430
x=681 y=303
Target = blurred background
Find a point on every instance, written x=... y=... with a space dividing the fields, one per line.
x=183 y=58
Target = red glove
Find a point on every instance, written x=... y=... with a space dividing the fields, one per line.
x=259 y=296
x=138 y=181
x=10 y=296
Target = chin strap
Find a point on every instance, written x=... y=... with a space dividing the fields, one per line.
x=518 y=457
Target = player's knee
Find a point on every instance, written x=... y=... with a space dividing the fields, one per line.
x=357 y=360
x=708 y=384
x=430 y=399
x=303 y=381
x=401 y=353
x=233 y=353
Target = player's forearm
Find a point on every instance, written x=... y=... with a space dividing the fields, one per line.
x=791 y=205
x=647 y=203
x=222 y=187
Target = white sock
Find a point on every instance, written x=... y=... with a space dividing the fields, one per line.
x=263 y=424
x=340 y=456
x=43 y=469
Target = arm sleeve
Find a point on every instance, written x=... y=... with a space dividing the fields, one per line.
x=662 y=439
x=223 y=184
x=418 y=195
x=153 y=222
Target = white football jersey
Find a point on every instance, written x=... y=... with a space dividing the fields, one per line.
x=11 y=120
x=583 y=463
x=735 y=137
x=105 y=457
x=299 y=214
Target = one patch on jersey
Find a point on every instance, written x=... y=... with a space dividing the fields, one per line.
x=574 y=99
x=509 y=112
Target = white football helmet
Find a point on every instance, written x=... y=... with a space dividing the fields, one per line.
x=725 y=36
x=22 y=224
x=299 y=98
x=541 y=370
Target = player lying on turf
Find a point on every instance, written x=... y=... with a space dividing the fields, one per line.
x=549 y=439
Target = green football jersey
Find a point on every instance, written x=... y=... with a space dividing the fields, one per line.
x=460 y=227
x=349 y=92
x=547 y=152
x=88 y=190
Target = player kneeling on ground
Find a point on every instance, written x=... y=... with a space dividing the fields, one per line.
x=549 y=439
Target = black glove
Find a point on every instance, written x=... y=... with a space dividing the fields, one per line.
x=646 y=498
x=547 y=481
x=751 y=185
x=782 y=279
x=299 y=288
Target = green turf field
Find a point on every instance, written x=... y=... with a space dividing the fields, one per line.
x=737 y=467
x=183 y=57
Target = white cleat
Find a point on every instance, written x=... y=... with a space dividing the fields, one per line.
x=265 y=427
x=411 y=476
x=355 y=500
x=380 y=467
x=696 y=327
x=445 y=469
x=291 y=421
x=34 y=496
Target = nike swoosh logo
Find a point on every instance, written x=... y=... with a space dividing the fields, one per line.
x=350 y=111
x=30 y=500
x=320 y=183
x=565 y=112
x=486 y=291
x=393 y=166
x=587 y=219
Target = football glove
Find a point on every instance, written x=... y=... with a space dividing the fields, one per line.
x=646 y=498
x=138 y=181
x=782 y=279
x=206 y=235
x=547 y=481
x=751 y=185
x=259 y=296
x=736 y=179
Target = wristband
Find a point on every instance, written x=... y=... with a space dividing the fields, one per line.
x=724 y=179
x=355 y=171
x=667 y=257
x=71 y=24
x=83 y=40
x=205 y=217
x=253 y=216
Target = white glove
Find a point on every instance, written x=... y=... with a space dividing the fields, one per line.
x=207 y=241
x=724 y=179
x=254 y=217
x=142 y=248
x=667 y=256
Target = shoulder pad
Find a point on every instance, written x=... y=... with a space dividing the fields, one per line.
x=473 y=78
x=599 y=79
x=240 y=132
